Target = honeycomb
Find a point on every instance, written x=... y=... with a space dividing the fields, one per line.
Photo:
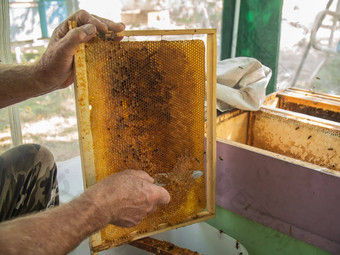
x=147 y=112
x=299 y=138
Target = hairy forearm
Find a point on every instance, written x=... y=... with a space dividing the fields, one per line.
x=17 y=83
x=54 y=231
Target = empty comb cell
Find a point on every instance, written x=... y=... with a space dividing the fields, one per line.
x=141 y=106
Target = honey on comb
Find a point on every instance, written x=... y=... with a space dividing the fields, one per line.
x=147 y=112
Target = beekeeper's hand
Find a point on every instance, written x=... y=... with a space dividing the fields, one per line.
x=55 y=68
x=125 y=198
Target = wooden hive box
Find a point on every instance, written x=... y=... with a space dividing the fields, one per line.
x=280 y=166
x=141 y=106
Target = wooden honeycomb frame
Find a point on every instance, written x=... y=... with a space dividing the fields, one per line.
x=85 y=136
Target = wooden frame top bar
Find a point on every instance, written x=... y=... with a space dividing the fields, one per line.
x=164 y=32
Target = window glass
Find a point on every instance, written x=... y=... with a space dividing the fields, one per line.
x=160 y=14
x=50 y=120
x=5 y=133
x=319 y=69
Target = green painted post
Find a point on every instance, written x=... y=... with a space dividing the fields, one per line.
x=227 y=28
x=42 y=15
x=258 y=33
x=44 y=6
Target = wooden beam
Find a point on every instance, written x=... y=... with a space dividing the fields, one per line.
x=161 y=247
x=165 y=32
x=211 y=122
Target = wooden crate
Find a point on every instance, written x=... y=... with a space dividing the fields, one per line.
x=306 y=102
x=280 y=166
x=85 y=104
x=300 y=128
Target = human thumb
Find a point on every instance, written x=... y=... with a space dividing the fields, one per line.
x=89 y=29
x=76 y=36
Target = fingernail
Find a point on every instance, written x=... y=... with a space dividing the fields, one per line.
x=89 y=29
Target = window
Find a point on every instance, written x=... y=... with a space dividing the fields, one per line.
x=319 y=71
x=50 y=120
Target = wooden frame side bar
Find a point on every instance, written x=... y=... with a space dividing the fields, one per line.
x=211 y=122
x=83 y=115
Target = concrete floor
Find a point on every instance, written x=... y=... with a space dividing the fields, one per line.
x=70 y=179
x=71 y=185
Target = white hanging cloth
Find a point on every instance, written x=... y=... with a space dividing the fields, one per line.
x=241 y=83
